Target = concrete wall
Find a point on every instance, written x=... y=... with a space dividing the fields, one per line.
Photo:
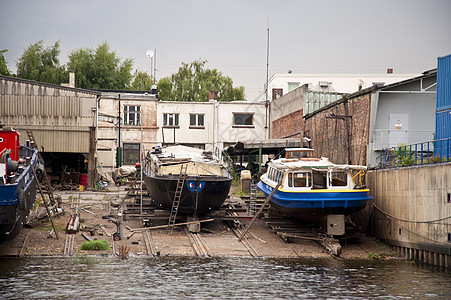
x=412 y=209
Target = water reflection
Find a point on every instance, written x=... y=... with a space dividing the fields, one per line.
x=227 y=278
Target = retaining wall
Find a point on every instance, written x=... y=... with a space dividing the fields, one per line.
x=411 y=211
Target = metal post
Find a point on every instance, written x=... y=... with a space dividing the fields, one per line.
x=259 y=212
x=141 y=163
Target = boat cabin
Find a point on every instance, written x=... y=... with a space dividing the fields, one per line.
x=309 y=176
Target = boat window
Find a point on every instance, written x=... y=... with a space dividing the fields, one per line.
x=319 y=180
x=299 y=179
x=279 y=176
x=338 y=178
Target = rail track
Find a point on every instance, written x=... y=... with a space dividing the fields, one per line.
x=151 y=248
x=200 y=248
x=69 y=245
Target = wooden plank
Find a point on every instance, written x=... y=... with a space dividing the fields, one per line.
x=165 y=226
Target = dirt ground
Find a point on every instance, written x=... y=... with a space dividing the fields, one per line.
x=99 y=209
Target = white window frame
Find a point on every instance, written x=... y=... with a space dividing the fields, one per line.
x=198 y=124
x=132 y=117
x=171 y=120
x=252 y=114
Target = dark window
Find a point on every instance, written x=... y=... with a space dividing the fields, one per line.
x=131 y=153
x=171 y=120
x=243 y=119
x=196 y=120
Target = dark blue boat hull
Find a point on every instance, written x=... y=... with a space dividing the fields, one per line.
x=17 y=199
x=320 y=202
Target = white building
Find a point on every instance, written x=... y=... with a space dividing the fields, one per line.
x=210 y=125
x=281 y=84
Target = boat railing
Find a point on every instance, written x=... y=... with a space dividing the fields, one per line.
x=431 y=152
x=27 y=174
x=360 y=173
x=228 y=163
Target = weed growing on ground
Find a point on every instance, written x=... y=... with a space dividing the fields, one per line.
x=95 y=245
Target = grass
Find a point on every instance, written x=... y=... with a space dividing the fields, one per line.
x=95 y=245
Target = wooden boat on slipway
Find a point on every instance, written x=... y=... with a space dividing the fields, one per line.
x=17 y=183
x=315 y=189
x=206 y=185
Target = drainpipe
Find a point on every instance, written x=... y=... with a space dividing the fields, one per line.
x=119 y=148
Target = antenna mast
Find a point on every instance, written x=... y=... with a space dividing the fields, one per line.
x=267 y=74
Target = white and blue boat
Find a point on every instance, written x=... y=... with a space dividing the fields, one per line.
x=314 y=188
x=17 y=183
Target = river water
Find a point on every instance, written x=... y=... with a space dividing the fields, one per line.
x=225 y=278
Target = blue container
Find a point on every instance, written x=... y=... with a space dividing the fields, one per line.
x=442 y=145
x=444 y=83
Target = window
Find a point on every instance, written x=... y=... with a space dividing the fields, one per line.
x=275 y=175
x=132 y=115
x=171 y=120
x=277 y=93
x=131 y=154
x=292 y=86
x=243 y=119
x=299 y=179
x=338 y=178
x=196 y=121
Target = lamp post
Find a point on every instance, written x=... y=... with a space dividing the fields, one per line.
x=150 y=54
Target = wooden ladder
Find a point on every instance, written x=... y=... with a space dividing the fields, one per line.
x=45 y=180
x=31 y=139
x=177 y=196
x=253 y=200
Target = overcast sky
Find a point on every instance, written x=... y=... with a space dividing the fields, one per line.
x=327 y=36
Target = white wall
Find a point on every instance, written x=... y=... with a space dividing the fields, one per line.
x=341 y=83
x=218 y=128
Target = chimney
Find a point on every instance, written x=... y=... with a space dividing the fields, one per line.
x=212 y=96
x=72 y=79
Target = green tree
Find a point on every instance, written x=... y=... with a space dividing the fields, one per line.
x=100 y=68
x=42 y=64
x=141 y=81
x=193 y=82
x=3 y=66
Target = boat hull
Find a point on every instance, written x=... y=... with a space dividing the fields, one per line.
x=303 y=204
x=200 y=195
x=16 y=201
